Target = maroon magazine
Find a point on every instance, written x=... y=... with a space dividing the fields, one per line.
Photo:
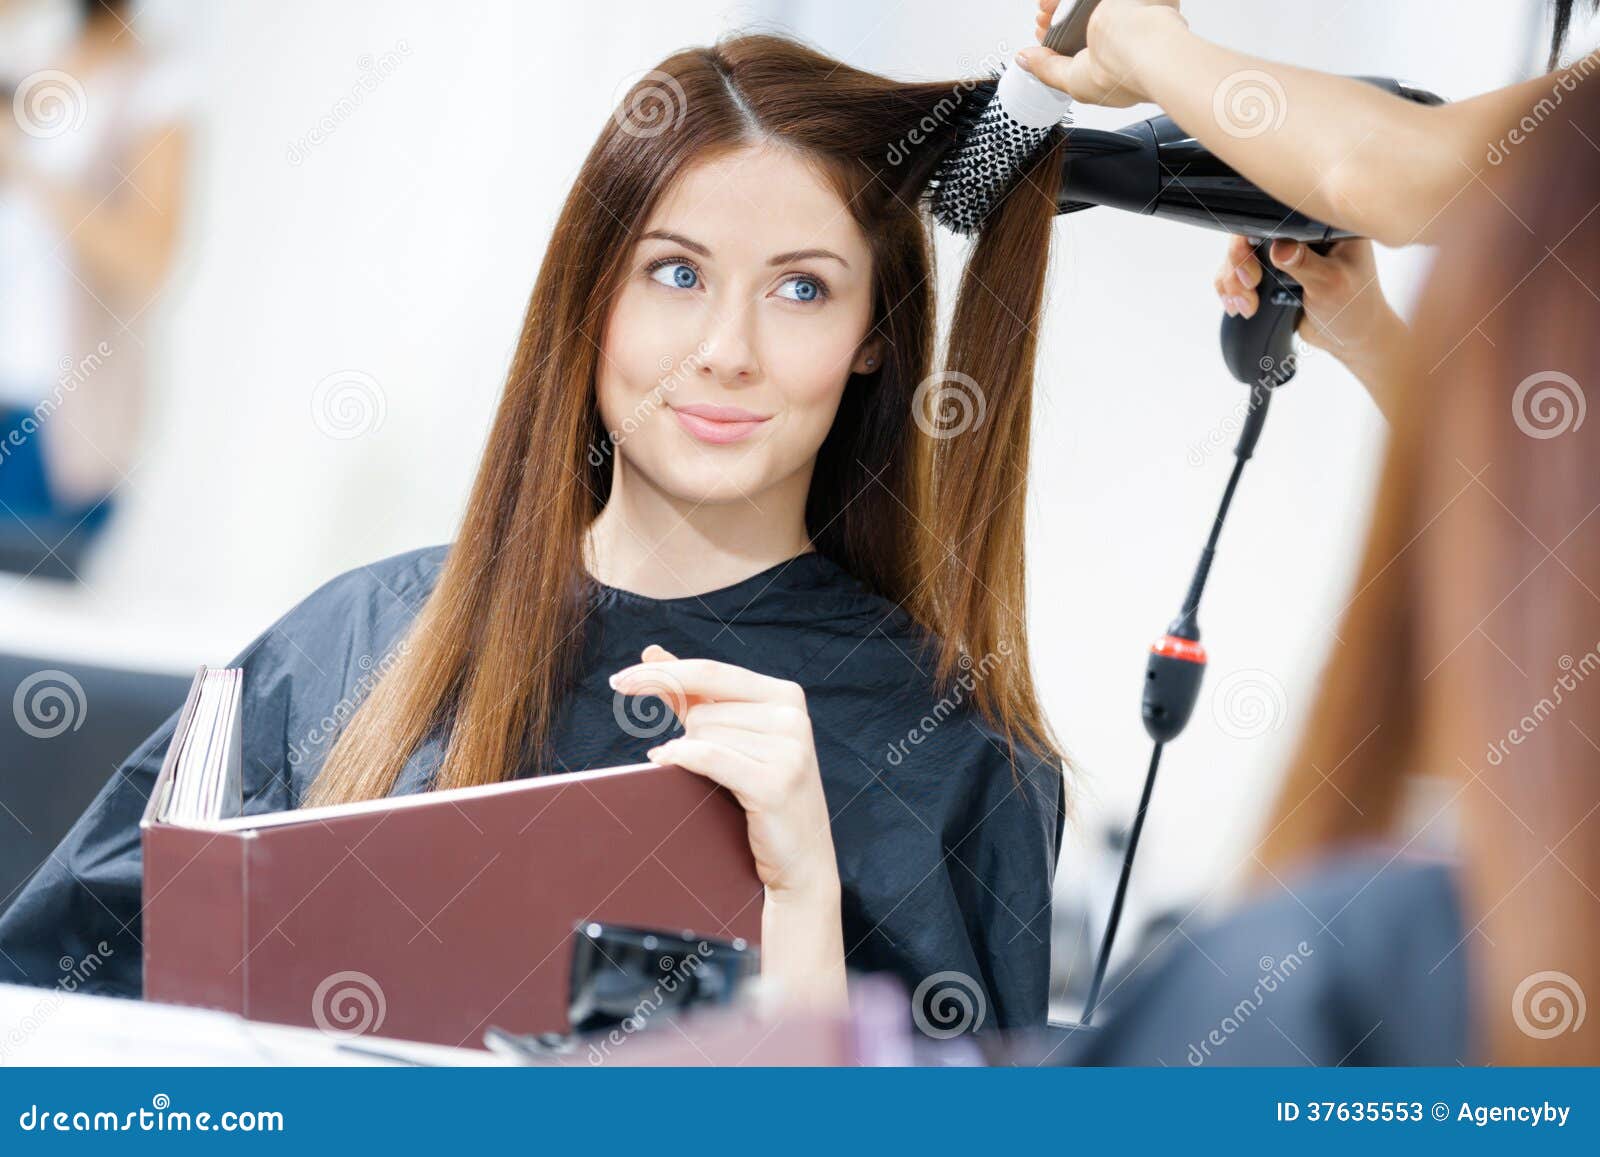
x=432 y=916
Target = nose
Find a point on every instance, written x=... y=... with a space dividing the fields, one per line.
x=727 y=351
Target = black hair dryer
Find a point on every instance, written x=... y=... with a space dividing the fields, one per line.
x=1155 y=168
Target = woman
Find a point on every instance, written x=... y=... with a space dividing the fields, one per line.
x=720 y=450
x=91 y=168
x=1460 y=712
x=1325 y=144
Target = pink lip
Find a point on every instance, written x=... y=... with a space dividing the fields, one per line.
x=720 y=413
x=717 y=424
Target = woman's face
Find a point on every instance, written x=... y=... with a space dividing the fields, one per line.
x=747 y=299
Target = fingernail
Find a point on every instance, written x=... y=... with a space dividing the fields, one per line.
x=1295 y=254
x=1021 y=58
x=1233 y=305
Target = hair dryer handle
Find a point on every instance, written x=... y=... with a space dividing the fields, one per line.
x=1260 y=349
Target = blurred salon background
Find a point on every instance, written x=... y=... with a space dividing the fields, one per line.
x=262 y=268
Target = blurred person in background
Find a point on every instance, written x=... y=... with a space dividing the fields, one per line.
x=92 y=164
x=1431 y=870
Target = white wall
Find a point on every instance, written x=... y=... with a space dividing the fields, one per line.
x=403 y=248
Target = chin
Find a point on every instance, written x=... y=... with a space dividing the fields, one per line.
x=710 y=481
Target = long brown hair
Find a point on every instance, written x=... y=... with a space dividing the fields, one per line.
x=1470 y=651
x=931 y=522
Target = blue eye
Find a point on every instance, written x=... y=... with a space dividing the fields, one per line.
x=806 y=289
x=683 y=275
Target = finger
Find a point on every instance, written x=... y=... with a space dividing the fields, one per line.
x=1041 y=21
x=1242 y=258
x=1231 y=280
x=1354 y=254
x=763 y=747
x=1236 y=298
x=711 y=679
x=665 y=690
x=763 y=717
x=1285 y=253
x=1049 y=66
x=664 y=687
x=1240 y=250
x=732 y=769
x=1312 y=270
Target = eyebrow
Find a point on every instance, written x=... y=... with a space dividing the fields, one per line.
x=778 y=259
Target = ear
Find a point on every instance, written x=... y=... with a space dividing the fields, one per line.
x=869 y=358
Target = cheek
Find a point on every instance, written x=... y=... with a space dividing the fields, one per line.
x=642 y=358
x=810 y=365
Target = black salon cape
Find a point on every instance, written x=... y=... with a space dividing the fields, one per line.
x=946 y=857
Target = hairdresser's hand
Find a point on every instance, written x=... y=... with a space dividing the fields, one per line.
x=1106 y=72
x=1346 y=314
x=752 y=734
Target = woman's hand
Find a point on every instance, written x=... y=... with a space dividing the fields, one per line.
x=751 y=733
x=1346 y=314
x=1106 y=72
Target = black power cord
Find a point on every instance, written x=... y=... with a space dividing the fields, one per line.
x=1177 y=661
x=1259 y=352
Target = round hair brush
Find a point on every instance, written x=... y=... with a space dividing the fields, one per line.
x=999 y=136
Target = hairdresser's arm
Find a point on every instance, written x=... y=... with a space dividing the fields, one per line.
x=1346 y=313
x=752 y=734
x=1337 y=149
